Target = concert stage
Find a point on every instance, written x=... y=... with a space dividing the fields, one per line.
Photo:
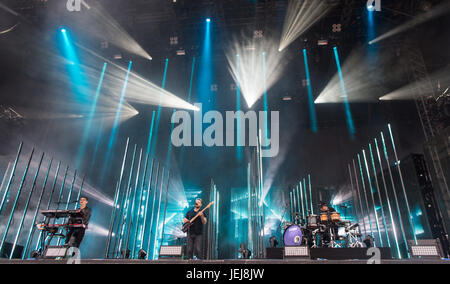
x=225 y=261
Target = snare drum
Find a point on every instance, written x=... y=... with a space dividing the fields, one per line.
x=335 y=217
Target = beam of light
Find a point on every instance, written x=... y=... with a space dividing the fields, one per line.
x=189 y=100
x=435 y=12
x=87 y=130
x=99 y=24
x=238 y=108
x=76 y=73
x=9 y=10
x=97 y=230
x=415 y=89
x=300 y=16
x=139 y=90
x=312 y=110
x=248 y=71
x=348 y=114
x=365 y=78
x=158 y=114
x=205 y=73
x=266 y=105
x=113 y=135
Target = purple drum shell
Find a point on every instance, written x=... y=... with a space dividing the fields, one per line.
x=293 y=236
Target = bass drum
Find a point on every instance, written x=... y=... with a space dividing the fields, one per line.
x=293 y=236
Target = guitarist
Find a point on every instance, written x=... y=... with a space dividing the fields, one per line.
x=195 y=231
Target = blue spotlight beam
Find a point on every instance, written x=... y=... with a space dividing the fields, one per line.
x=348 y=114
x=158 y=115
x=238 y=108
x=112 y=137
x=205 y=72
x=74 y=70
x=87 y=130
x=189 y=100
x=266 y=104
x=312 y=109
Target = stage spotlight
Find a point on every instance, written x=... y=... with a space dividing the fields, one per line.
x=208 y=20
x=273 y=242
x=142 y=254
x=63 y=31
x=258 y=62
x=300 y=17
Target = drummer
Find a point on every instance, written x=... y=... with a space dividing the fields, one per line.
x=324 y=208
x=326 y=237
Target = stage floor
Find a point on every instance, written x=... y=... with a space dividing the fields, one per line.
x=225 y=262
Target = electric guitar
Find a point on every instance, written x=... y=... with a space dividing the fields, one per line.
x=188 y=224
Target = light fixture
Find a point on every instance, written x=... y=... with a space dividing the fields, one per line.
x=171 y=251
x=296 y=252
x=425 y=249
x=208 y=20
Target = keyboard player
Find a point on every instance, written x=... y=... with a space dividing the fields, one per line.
x=75 y=234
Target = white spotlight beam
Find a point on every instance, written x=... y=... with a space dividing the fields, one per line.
x=246 y=65
x=364 y=79
x=300 y=16
x=139 y=90
x=100 y=24
x=437 y=11
x=409 y=92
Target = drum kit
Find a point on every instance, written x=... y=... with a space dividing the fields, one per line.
x=324 y=230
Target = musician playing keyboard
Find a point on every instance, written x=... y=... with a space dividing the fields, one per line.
x=76 y=234
x=195 y=232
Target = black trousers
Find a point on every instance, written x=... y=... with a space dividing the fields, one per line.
x=194 y=246
x=75 y=236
